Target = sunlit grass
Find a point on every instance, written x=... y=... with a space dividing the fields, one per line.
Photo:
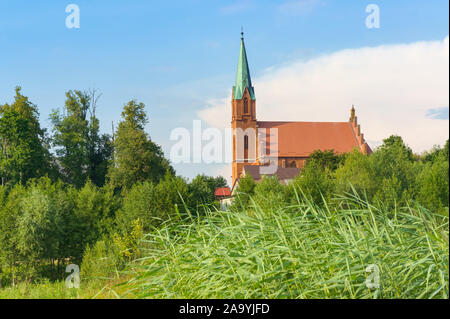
x=298 y=251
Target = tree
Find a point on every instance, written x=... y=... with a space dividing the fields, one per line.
x=23 y=145
x=202 y=189
x=327 y=159
x=9 y=214
x=136 y=158
x=152 y=203
x=436 y=152
x=395 y=172
x=433 y=184
x=244 y=191
x=269 y=193
x=82 y=152
x=396 y=142
x=315 y=181
x=94 y=211
x=357 y=173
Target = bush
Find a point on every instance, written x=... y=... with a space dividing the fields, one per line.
x=245 y=189
x=108 y=257
x=269 y=193
x=357 y=173
x=315 y=182
x=101 y=261
x=152 y=204
x=433 y=184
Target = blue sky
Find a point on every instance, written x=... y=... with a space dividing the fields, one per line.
x=176 y=55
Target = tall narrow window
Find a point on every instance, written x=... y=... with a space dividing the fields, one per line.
x=246 y=142
x=245 y=106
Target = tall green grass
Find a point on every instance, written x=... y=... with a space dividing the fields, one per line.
x=297 y=251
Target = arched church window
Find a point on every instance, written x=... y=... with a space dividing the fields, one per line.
x=245 y=106
x=246 y=142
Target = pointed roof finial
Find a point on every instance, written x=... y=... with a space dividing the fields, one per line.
x=242 y=33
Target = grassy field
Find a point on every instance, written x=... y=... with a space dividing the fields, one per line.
x=297 y=251
x=58 y=290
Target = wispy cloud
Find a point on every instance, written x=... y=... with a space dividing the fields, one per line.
x=298 y=7
x=392 y=87
x=440 y=113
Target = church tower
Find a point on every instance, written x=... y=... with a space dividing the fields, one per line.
x=243 y=120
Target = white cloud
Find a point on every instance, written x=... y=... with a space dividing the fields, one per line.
x=393 y=87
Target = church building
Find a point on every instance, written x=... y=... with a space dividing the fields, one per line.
x=286 y=145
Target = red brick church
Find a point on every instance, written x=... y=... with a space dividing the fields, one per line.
x=296 y=140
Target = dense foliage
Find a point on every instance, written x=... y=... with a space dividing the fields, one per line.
x=115 y=206
x=389 y=178
x=62 y=203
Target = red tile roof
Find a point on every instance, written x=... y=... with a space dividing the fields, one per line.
x=222 y=192
x=300 y=139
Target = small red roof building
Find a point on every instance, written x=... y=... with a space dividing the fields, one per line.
x=222 y=192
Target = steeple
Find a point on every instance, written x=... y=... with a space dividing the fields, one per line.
x=243 y=79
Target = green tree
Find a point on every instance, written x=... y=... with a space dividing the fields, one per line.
x=136 y=157
x=245 y=190
x=269 y=193
x=396 y=142
x=357 y=173
x=94 y=211
x=433 y=185
x=436 y=152
x=202 y=188
x=327 y=159
x=152 y=203
x=9 y=214
x=82 y=152
x=315 y=182
x=23 y=145
x=394 y=172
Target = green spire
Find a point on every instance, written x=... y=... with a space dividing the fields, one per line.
x=243 y=79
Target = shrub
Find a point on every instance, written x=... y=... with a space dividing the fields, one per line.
x=315 y=182
x=269 y=193
x=101 y=261
x=245 y=189
x=152 y=204
x=433 y=184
